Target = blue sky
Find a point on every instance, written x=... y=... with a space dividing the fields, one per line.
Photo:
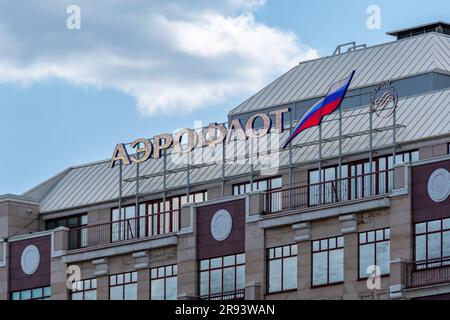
x=68 y=96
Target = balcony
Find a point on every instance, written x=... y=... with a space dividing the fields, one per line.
x=427 y=273
x=230 y=295
x=329 y=192
x=145 y=226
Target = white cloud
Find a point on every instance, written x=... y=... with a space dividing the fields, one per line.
x=170 y=56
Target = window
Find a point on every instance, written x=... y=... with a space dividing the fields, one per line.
x=43 y=293
x=123 y=286
x=259 y=185
x=356 y=179
x=374 y=249
x=328 y=261
x=77 y=225
x=84 y=290
x=125 y=227
x=432 y=243
x=164 y=219
x=163 y=283
x=222 y=277
x=270 y=184
x=282 y=268
x=153 y=218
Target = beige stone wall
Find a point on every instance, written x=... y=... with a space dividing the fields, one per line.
x=128 y=263
x=401 y=228
x=18 y=218
x=215 y=193
x=433 y=150
x=187 y=266
x=4 y=208
x=162 y=257
x=120 y=264
x=58 y=279
x=255 y=252
x=279 y=236
x=352 y=288
x=99 y=216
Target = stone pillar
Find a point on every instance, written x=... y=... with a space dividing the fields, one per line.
x=349 y=229
x=255 y=206
x=143 y=275
x=187 y=255
x=397 y=278
x=102 y=274
x=58 y=279
x=252 y=291
x=58 y=268
x=304 y=259
x=402 y=244
x=255 y=262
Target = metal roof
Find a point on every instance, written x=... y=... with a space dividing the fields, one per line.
x=389 y=61
x=420 y=26
x=419 y=117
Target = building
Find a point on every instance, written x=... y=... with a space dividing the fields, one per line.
x=364 y=196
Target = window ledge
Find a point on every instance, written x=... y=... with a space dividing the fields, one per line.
x=327 y=285
x=280 y=292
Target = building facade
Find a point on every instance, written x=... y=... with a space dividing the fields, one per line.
x=357 y=208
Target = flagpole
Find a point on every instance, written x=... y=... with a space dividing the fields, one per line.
x=137 y=188
x=320 y=163
x=394 y=133
x=120 y=189
x=290 y=160
x=370 y=149
x=340 y=154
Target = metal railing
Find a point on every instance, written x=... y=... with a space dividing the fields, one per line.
x=230 y=295
x=126 y=229
x=429 y=272
x=329 y=192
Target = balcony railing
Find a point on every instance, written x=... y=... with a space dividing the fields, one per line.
x=426 y=273
x=230 y=295
x=122 y=230
x=329 y=192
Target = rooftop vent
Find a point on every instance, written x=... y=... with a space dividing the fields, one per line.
x=348 y=47
x=440 y=27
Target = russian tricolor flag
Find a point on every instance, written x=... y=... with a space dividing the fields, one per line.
x=313 y=117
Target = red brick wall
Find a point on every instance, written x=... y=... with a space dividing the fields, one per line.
x=423 y=208
x=18 y=280
x=207 y=246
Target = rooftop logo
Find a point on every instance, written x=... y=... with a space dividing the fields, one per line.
x=384 y=100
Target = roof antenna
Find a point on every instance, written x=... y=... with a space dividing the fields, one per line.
x=352 y=46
